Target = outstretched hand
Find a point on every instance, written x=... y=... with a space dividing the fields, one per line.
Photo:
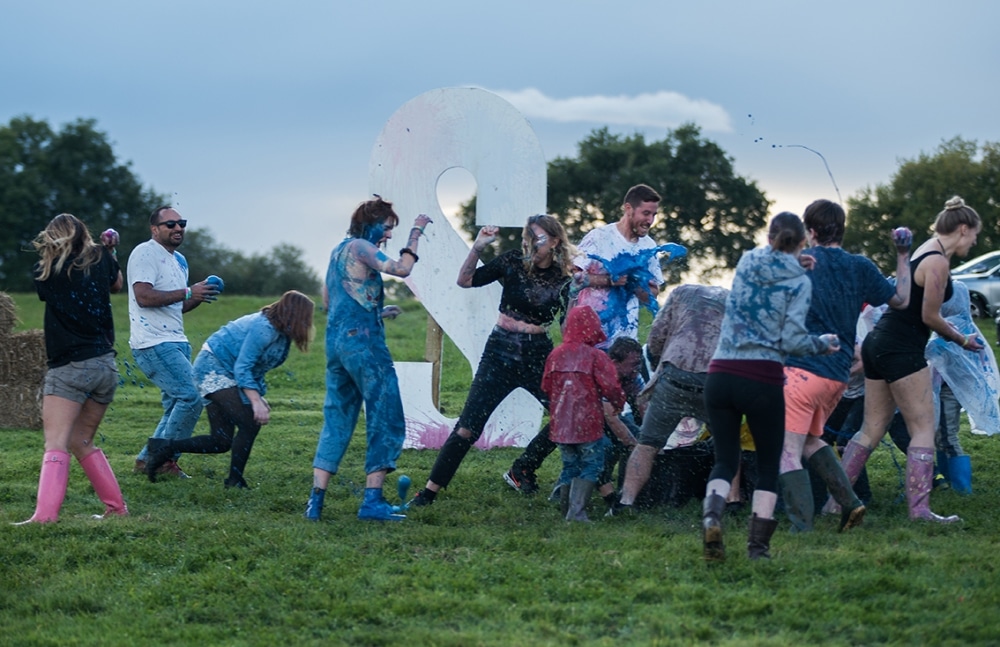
x=204 y=291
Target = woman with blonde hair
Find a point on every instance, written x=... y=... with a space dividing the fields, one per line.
x=229 y=371
x=536 y=283
x=75 y=278
x=896 y=371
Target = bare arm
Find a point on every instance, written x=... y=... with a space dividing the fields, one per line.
x=618 y=428
x=148 y=297
x=902 y=238
x=376 y=259
x=484 y=238
x=934 y=274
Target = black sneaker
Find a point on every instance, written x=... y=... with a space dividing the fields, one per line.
x=521 y=481
x=423 y=499
x=619 y=509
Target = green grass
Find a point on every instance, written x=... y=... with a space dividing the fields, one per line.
x=199 y=564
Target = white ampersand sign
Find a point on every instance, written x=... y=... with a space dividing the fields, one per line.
x=475 y=130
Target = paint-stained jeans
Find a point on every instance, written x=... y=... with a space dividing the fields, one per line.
x=168 y=366
x=583 y=460
x=359 y=369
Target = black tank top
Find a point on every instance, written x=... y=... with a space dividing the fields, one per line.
x=909 y=323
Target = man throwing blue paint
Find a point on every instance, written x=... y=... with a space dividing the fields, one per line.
x=604 y=293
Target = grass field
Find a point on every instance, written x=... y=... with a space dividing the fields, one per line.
x=197 y=564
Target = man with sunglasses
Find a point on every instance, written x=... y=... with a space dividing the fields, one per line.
x=158 y=296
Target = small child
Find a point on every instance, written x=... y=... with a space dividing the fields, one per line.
x=577 y=377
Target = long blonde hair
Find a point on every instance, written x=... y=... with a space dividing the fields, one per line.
x=65 y=236
x=562 y=255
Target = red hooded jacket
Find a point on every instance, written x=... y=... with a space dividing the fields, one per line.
x=577 y=376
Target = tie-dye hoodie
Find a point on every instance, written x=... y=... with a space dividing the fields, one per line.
x=766 y=311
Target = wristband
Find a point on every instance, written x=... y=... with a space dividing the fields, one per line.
x=407 y=250
x=187 y=294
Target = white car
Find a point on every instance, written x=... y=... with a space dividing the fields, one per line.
x=982 y=276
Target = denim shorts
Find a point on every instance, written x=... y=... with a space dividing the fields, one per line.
x=95 y=378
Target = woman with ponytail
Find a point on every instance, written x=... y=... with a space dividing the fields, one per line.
x=765 y=321
x=896 y=371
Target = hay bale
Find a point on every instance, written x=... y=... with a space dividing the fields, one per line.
x=22 y=373
x=8 y=315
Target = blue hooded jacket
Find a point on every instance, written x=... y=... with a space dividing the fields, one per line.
x=766 y=310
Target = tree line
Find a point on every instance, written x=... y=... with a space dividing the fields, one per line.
x=45 y=172
x=707 y=206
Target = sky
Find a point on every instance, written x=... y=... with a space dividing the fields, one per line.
x=258 y=118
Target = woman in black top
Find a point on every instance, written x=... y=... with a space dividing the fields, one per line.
x=75 y=278
x=536 y=281
x=896 y=373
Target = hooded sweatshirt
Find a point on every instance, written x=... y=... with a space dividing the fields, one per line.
x=766 y=311
x=577 y=377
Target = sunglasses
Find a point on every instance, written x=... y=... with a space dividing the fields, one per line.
x=169 y=224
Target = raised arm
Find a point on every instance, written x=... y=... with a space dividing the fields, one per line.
x=902 y=239
x=484 y=238
x=376 y=259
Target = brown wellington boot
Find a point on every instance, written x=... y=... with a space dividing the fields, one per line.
x=759 y=537
x=713 y=508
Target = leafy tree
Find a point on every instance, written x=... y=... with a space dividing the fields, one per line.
x=917 y=193
x=706 y=206
x=269 y=274
x=44 y=173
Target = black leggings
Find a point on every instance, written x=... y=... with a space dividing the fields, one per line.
x=510 y=361
x=226 y=412
x=727 y=399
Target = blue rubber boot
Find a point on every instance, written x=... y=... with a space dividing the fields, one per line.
x=314 y=506
x=376 y=508
x=960 y=474
x=942 y=464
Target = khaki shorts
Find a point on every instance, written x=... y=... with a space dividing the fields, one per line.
x=95 y=378
x=809 y=401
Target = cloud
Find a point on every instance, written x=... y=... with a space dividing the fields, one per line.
x=656 y=110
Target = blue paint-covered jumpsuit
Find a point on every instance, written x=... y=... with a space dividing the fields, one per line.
x=358 y=369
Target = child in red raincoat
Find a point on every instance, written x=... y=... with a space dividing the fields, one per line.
x=577 y=377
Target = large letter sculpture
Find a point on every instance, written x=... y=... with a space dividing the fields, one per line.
x=476 y=130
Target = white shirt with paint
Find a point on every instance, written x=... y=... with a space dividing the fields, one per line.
x=607 y=242
x=150 y=262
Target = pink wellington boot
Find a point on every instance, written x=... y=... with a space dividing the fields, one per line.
x=98 y=470
x=51 y=488
x=919 y=479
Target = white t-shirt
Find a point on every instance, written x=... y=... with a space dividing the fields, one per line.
x=607 y=242
x=150 y=262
